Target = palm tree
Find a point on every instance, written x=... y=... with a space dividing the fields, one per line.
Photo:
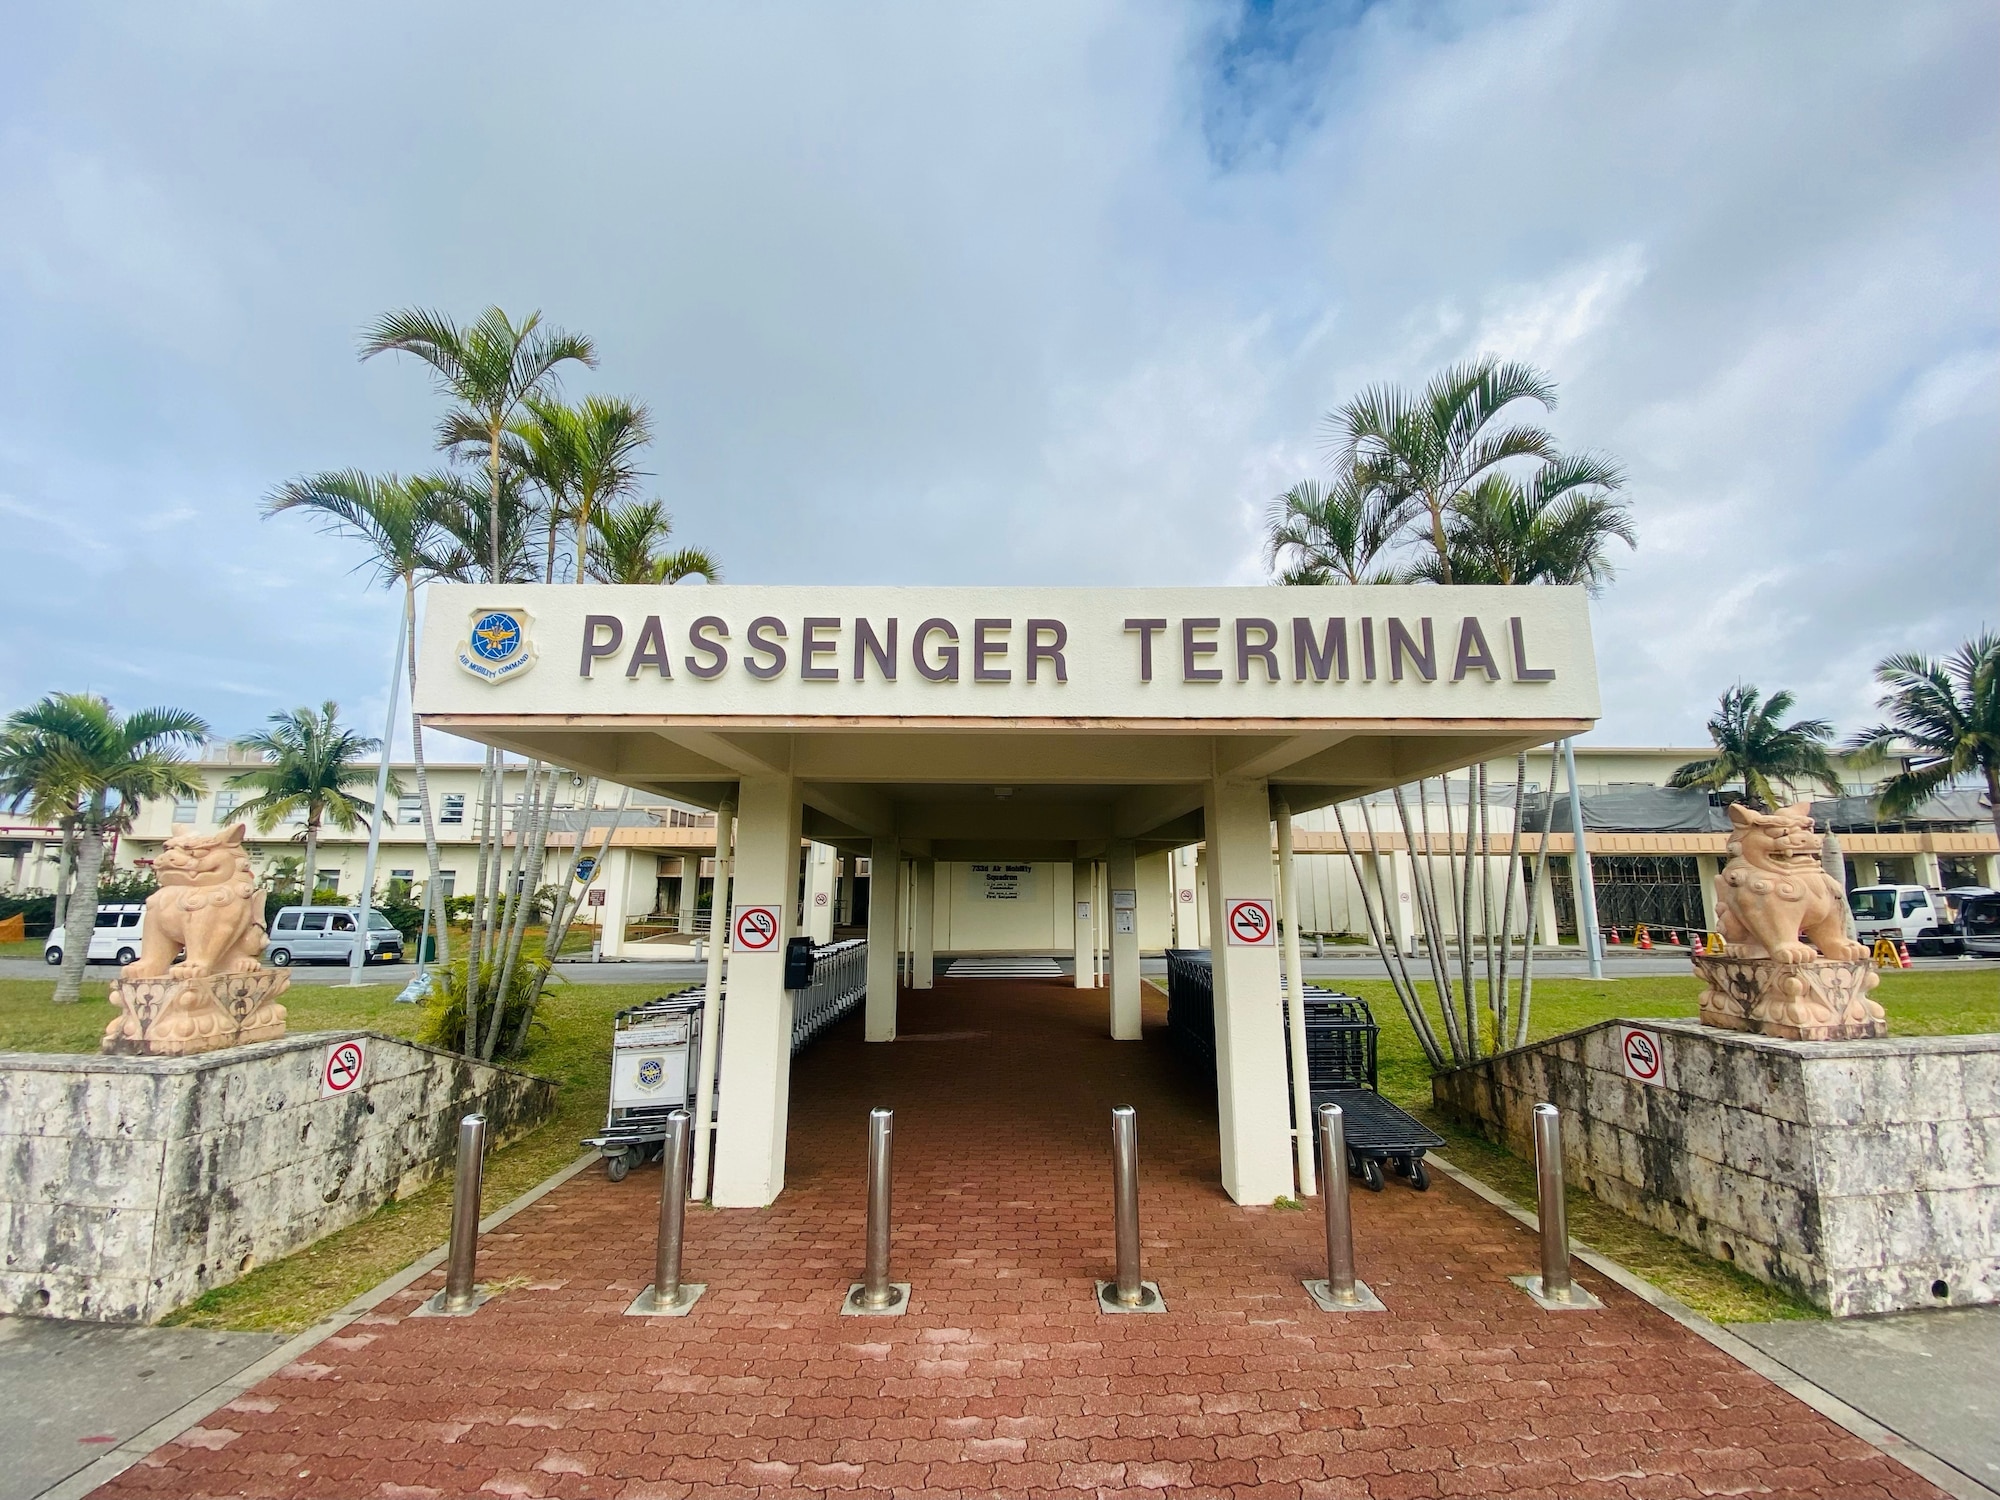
x=1332 y=533
x=491 y=368
x=581 y=457
x=625 y=545
x=1754 y=748
x=1430 y=448
x=465 y=529
x=1947 y=714
x=72 y=757
x=401 y=522
x=1557 y=528
x=310 y=761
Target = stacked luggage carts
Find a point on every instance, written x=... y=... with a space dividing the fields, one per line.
x=838 y=984
x=1341 y=1037
x=657 y=1054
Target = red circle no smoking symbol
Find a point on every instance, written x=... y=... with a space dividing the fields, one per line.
x=343 y=1067
x=756 y=929
x=1641 y=1056
x=1249 y=921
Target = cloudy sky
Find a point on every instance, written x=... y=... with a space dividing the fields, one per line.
x=1004 y=293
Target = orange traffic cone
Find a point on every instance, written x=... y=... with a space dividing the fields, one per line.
x=1698 y=948
x=1614 y=937
x=1674 y=936
x=1902 y=955
x=1645 y=943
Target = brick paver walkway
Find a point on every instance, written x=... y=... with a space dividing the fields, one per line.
x=1004 y=1379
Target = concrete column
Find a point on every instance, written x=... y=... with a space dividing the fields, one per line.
x=819 y=893
x=1086 y=959
x=690 y=890
x=1704 y=866
x=923 y=924
x=1251 y=1093
x=1295 y=1002
x=1989 y=871
x=1187 y=914
x=843 y=892
x=1394 y=869
x=883 y=937
x=1201 y=895
x=1123 y=915
x=613 y=880
x=1867 y=872
x=757 y=1024
x=1927 y=869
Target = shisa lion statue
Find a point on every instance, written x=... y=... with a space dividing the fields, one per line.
x=1789 y=968
x=199 y=982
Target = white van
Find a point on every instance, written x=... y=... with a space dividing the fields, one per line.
x=1927 y=920
x=325 y=934
x=116 y=939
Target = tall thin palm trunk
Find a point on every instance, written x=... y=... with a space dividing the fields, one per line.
x=433 y=893
x=80 y=920
x=309 y=877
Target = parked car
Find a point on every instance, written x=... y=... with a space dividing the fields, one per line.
x=1927 y=920
x=1980 y=917
x=115 y=940
x=325 y=934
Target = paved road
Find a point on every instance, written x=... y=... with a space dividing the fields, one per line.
x=1934 y=1377
x=76 y=1390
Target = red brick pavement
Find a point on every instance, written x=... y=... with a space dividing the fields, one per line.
x=1004 y=1378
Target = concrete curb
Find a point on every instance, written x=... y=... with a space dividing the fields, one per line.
x=110 y=1465
x=1953 y=1481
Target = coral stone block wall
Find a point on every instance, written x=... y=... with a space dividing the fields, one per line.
x=131 y=1185
x=1862 y=1175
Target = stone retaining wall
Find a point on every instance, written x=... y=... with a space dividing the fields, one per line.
x=131 y=1185
x=1863 y=1176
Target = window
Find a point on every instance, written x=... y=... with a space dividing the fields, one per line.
x=399 y=884
x=409 y=809
x=447 y=879
x=313 y=921
x=1872 y=906
x=342 y=922
x=329 y=880
x=107 y=919
x=1914 y=901
x=128 y=919
x=225 y=805
x=186 y=809
x=451 y=808
x=288 y=921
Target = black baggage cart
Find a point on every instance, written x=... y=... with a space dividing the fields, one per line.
x=1341 y=1037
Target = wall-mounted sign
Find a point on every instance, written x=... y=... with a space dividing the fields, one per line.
x=1124 y=900
x=1000 y=882
x=586 y=867
x=755 y=929
x=1124 y=921
x=342 y=1067
x=1641 y=1053
x=1249 y=922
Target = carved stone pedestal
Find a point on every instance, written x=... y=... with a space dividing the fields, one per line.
x=1825 y=1000
x=174 y=1017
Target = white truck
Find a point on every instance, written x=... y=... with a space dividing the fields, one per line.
x=1925 y=919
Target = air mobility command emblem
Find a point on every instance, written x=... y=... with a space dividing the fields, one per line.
x=497 y=645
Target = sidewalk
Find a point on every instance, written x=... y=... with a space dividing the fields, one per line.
x=1004 y=1378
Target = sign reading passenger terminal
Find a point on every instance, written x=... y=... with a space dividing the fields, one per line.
x=1388 y=652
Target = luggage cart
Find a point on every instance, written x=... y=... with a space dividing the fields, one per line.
x=655 y=1060
x=1340 y=1059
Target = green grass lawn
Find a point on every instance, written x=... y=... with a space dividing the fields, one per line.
x=31 y=948
x=293 y=1293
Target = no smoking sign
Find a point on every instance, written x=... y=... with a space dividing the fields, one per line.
x=1250 y=923
x=345 y=1064
x=1640 y=1051
x=755 y=929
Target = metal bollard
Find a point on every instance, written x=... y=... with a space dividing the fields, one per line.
x=1551 y=1212
x=1128 y=1292
x=1553 y=1289
x=669 y=1296
x=1340 y=1292
x=875 y=1294
x=461 y=1294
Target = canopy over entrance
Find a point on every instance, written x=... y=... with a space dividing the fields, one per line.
x=996 y=723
